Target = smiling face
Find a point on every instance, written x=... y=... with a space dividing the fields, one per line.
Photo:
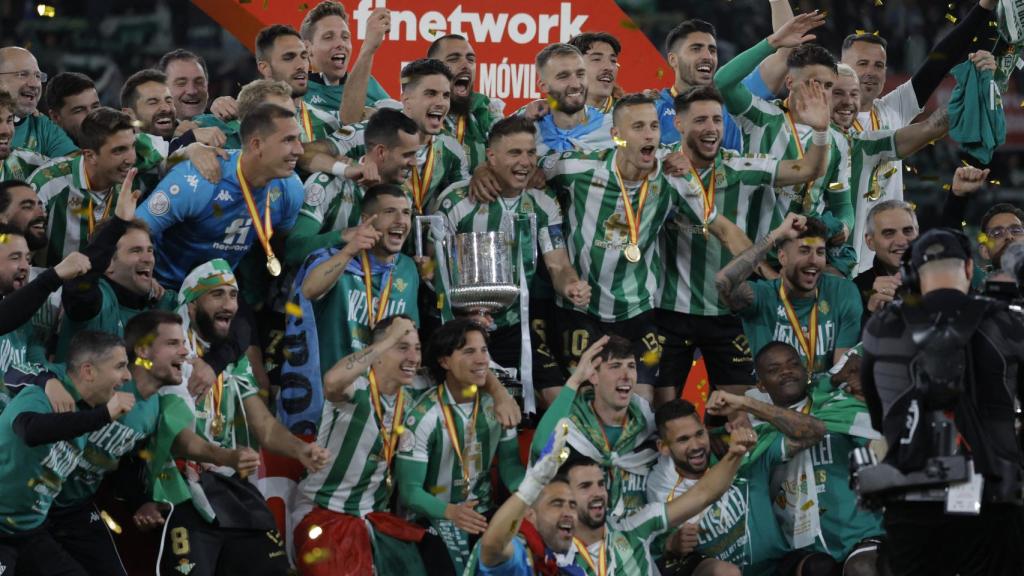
x=76 y=107
x=639 y=128
x=782 y=374
x=6 y=132
x=167 y=352
x=564 y=79
x=14 y=264
x=394 y=220
x=331 y=47
x=891 y=236
x=614 y=381
x=427 y=102
x=396 y=163
x=187 y=82
x=513 y=159
x=213 y=312
x=868 y=60
x=845 y=101
x=686 y=441
x=460 y=58
x=823 y=75
x=154 y=109
x=695 y=59
x=803 y=261
x=280 y=149
x=399 y=363
x=590 y=493
x=468 y=366
x=554 y=516
x=20 y=77
x=133 y=262
x=701 y=127
x=111 y=163
x=1000 y=231
x=602 y=69
x=26 y=213
x=287 y=61
x=99 y=379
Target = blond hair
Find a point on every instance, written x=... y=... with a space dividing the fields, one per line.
x=256 y=92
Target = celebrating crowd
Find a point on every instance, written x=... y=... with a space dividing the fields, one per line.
x=191 y=291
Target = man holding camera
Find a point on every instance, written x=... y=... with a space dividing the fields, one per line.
x=941 y=380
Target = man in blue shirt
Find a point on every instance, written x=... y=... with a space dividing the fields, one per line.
x=193 y=220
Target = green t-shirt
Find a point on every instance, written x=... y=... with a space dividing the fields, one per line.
x=19 y=348
x=839 y=318
x=20 y=164
x=39 y=134
x=329 y=97
x=230 y=129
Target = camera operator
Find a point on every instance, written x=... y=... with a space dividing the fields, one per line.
x=941 y=379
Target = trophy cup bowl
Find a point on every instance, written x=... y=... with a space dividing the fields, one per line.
x=483 y=275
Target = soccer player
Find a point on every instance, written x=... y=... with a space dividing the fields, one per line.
x=20 y=77
x=600 y=52
x=608 y=545
x=451 y=438
x=368 y=395
x=230 y=415
x=188 y=81
x=146 y=98
x=15 y=163
x=690 y=314
x=472 y=115
x=332 y=207
x=21 y=209
x=70 y=97
x=512 y=156
x=609 y=423
x=326 y=33
x=362 y=93
x=818 y=313
x=440 y=161
x=890 y=228
x=564 y=120
x=193 y=220
x=832 y=522
x=739 y=530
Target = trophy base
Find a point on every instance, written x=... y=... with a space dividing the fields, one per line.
x=490 y=297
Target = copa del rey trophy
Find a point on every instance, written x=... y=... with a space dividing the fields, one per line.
x=485 y=271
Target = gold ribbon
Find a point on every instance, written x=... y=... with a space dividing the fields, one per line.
x=382 y=303
x=88 y=194
x=808 y=343
x=264 y=230
x=632 y=217
x=601 y=569
x=449 y=424
x=421 y=182
x=389 y=437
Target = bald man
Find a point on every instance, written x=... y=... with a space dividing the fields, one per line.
x=20 y=77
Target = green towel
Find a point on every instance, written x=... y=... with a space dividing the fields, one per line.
x=976 y=118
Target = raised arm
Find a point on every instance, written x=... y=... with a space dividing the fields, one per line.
x=358 y=81
x=951 y=50
x=731 y=281
x=730 y=235
x=324 y=275
x=801 y=430
x=773 y=69
x=340 y=377
x=715 y=481
x=916 y=136
x=273 y=436
x=809 y=100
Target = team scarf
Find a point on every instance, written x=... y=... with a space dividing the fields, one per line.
x=560 y=140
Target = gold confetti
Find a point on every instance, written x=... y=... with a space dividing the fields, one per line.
x=145 y=455
x=993 y=24
x=316 y=555
x=137 y=124
x=111 y=524
x=950 y=6
x=552 y=103
x=3 y=238
x=651 y=358
x=437 y=489
x=293 y=309
x=628 y=24
x=810 y=503
x=859 y=31
x=946 y=187
x=146 y=340
x=878 y=3
x=10 y=520
x=264 y=393
x=951 y=18
x=472 y=389
x=964 y=162
x=144 y=362
x=994 y=182
x=619 y=142
x=661 y=74
x=889 y=172
x=835 y=186
x=315 y=532
x=399 y=429
x=975 y=39
x=913 y=205
x=963 y=223
x=985 y=240
x=303 y=7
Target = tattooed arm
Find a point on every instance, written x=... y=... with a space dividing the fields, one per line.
x=340 y=377
x=323 y=276
x=731 y=281
x=801 y=430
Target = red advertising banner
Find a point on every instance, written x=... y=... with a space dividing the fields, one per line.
x=506 y=37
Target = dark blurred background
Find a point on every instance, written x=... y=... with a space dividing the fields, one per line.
x=110 y=39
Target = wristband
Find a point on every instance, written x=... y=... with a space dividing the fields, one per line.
x=338 y=169
x=819 y=138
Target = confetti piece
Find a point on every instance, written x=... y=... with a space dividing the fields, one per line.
x=913 y=205
x=993 y=24
x=651 y=358
x=946 y=187
x=472 y=389
x=859 y=31
x=137 y=124
x=619 y=142
x=878 y=3
x=628 y=24
x=111 y=524
x=316 y=556
x=950 y=6
x=994 y=182
x=835 y=186
x=399 y=430
x=985 y=240
x=661 y=74
x=264 y=393
x=144 y=362
x=303 y=7
x=146 y=340
x=145 y=455
x=293 y=309
x=808 y=505
x=964 y=162
x=552 y=103
x=3 y=238
x=951 y=18
x=889 y=172
x=315 y=532
x=11 y=521
x=437 y=489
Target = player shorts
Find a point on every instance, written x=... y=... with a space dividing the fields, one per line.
x=684 y=566
x=505 y=346
x=83 y=534
x=580 y=330
x=721 y=341
x=36 y=552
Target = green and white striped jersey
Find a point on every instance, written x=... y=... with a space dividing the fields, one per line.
x=465 y=214
x=332 y=202
x=353 y=483
x=20 y=164
x=474 y=127
x=872 y=163
x=449 y=165
x=599 y=232
x=744 y=195
x=426 y=440
x=627 y=543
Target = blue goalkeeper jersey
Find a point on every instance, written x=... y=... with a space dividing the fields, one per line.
x=193 y=220
x=732 y=137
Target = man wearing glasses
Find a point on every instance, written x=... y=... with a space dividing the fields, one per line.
x=20 y=77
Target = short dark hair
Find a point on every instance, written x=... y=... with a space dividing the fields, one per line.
x=376 y=191
x=100 y=124
x=181 y=54
x=768 y=348
x=260 y=120
x=585 y=41
x=684 y=29
x=63 y=85
x=617 y=347
x=450 y=337
x=381 y=328
x=90 y=346
x=552 y=50
x=9 y=230
x=682 y=102
x=864 y=37
x=1000 y=208
x=576 y=460
x=810 y=54
x=130 y=90
x=7 y=101
x=383 y=127
x=673 y=410
x=435 y=46
x=814 y=228
x=142 y=328
x=419 y=69
x=267 y=36
x=318 y=13
x=5 y=191
x=510 y=125
x=630 y=100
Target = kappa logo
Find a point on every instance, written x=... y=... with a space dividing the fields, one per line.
x=184 y=566
x=224 y=197
x=316 y=99
x=94 y=517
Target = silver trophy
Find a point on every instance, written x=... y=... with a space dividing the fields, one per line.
x=479 y=270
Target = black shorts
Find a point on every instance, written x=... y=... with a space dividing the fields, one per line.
x=195 y=547
x=580 y=330
x=36 y=552
x=684 y=566
x=83 y=534
x=505 y=346
x=722 y=343
x=822 y=563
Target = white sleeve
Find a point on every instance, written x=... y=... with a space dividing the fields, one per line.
x=902 y=104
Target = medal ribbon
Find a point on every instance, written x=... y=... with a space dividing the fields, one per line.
x=421 y=182
x=88 y=194
x=307 y=123
x=460 y=129
x=708 y=193
x=218 y=388
x=632 y=218
x=602 y=557
x=385 y=295
x=390 y=437
x=264 y=230
x=449 y=424
x=609 y=104
x=809 y=344
x=875 y=124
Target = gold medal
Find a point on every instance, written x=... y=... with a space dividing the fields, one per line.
x=273 y=265
x=387 y=482
x=217 y=424
x=632 y=253
x=704 y=230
